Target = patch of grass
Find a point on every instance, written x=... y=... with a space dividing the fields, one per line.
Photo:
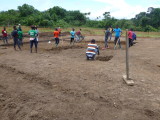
x=85 y=31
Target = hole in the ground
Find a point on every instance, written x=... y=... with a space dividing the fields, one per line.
x=104 y=58
x=158 y=65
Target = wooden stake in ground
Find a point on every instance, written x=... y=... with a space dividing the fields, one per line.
x=62 y=39
x=126 y=77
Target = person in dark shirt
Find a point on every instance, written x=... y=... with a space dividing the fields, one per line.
x=107 y=35
x=15 y=38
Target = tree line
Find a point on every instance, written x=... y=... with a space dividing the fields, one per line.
x=27 y=15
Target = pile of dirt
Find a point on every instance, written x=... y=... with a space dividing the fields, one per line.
x=64 y=48
x=104 y=58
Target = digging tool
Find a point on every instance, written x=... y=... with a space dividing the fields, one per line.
x=116 y=43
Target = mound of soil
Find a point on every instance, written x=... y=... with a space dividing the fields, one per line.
x=104 y=58
x=64 y=48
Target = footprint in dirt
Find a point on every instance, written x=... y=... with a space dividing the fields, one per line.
x=149 y=112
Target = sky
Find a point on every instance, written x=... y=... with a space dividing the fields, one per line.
x=120 y=9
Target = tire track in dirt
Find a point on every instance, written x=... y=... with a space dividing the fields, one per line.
x=56 y=86
x=15 y=106
x=30 y=77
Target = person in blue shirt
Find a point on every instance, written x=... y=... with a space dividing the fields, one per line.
x=118 y=33
x=72 y=36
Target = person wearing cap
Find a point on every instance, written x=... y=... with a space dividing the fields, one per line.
x=20 y=36
x=19 y=28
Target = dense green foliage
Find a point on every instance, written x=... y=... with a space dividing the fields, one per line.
x=57 y=16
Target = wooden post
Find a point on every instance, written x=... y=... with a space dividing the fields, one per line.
x=127 y=58
x=126 y=77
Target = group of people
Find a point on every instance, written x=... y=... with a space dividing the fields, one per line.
x=131 y=37
x=74 y=36
x=108 y=34
x=17 y=36
x=118 y=32
x=92 y=48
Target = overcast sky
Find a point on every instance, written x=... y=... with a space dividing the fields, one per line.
x=118 y=8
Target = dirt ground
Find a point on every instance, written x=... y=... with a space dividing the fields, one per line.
x=60 y=84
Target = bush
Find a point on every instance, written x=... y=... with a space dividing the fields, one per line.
x=149 y=28
x=61 y=23
x=138 y=28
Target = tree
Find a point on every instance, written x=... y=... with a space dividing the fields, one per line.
x=106 y=15
x=26 y=10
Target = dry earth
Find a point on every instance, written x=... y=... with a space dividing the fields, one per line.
x=60 y=84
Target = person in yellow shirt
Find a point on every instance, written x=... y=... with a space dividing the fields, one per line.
x=111 y=31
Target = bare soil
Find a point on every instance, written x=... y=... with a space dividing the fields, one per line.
x=60 y=84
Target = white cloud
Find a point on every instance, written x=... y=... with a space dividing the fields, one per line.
x=121 y=9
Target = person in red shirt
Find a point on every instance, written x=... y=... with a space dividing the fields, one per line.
x=79 y=35
x=130 y=34
x=5 y=38
x=56 y=35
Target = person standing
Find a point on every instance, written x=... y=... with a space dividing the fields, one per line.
x=111 y=31
x=56 y=36
x=19 y=27
x=33 y=40
x=130 y=34
x=20 y=36
x=5 y=36
x=15 y=38
x=118 y=33
x=37 y=35
x=59 y=30
x=107 y=34
x=134 y=37
x=72 y=33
